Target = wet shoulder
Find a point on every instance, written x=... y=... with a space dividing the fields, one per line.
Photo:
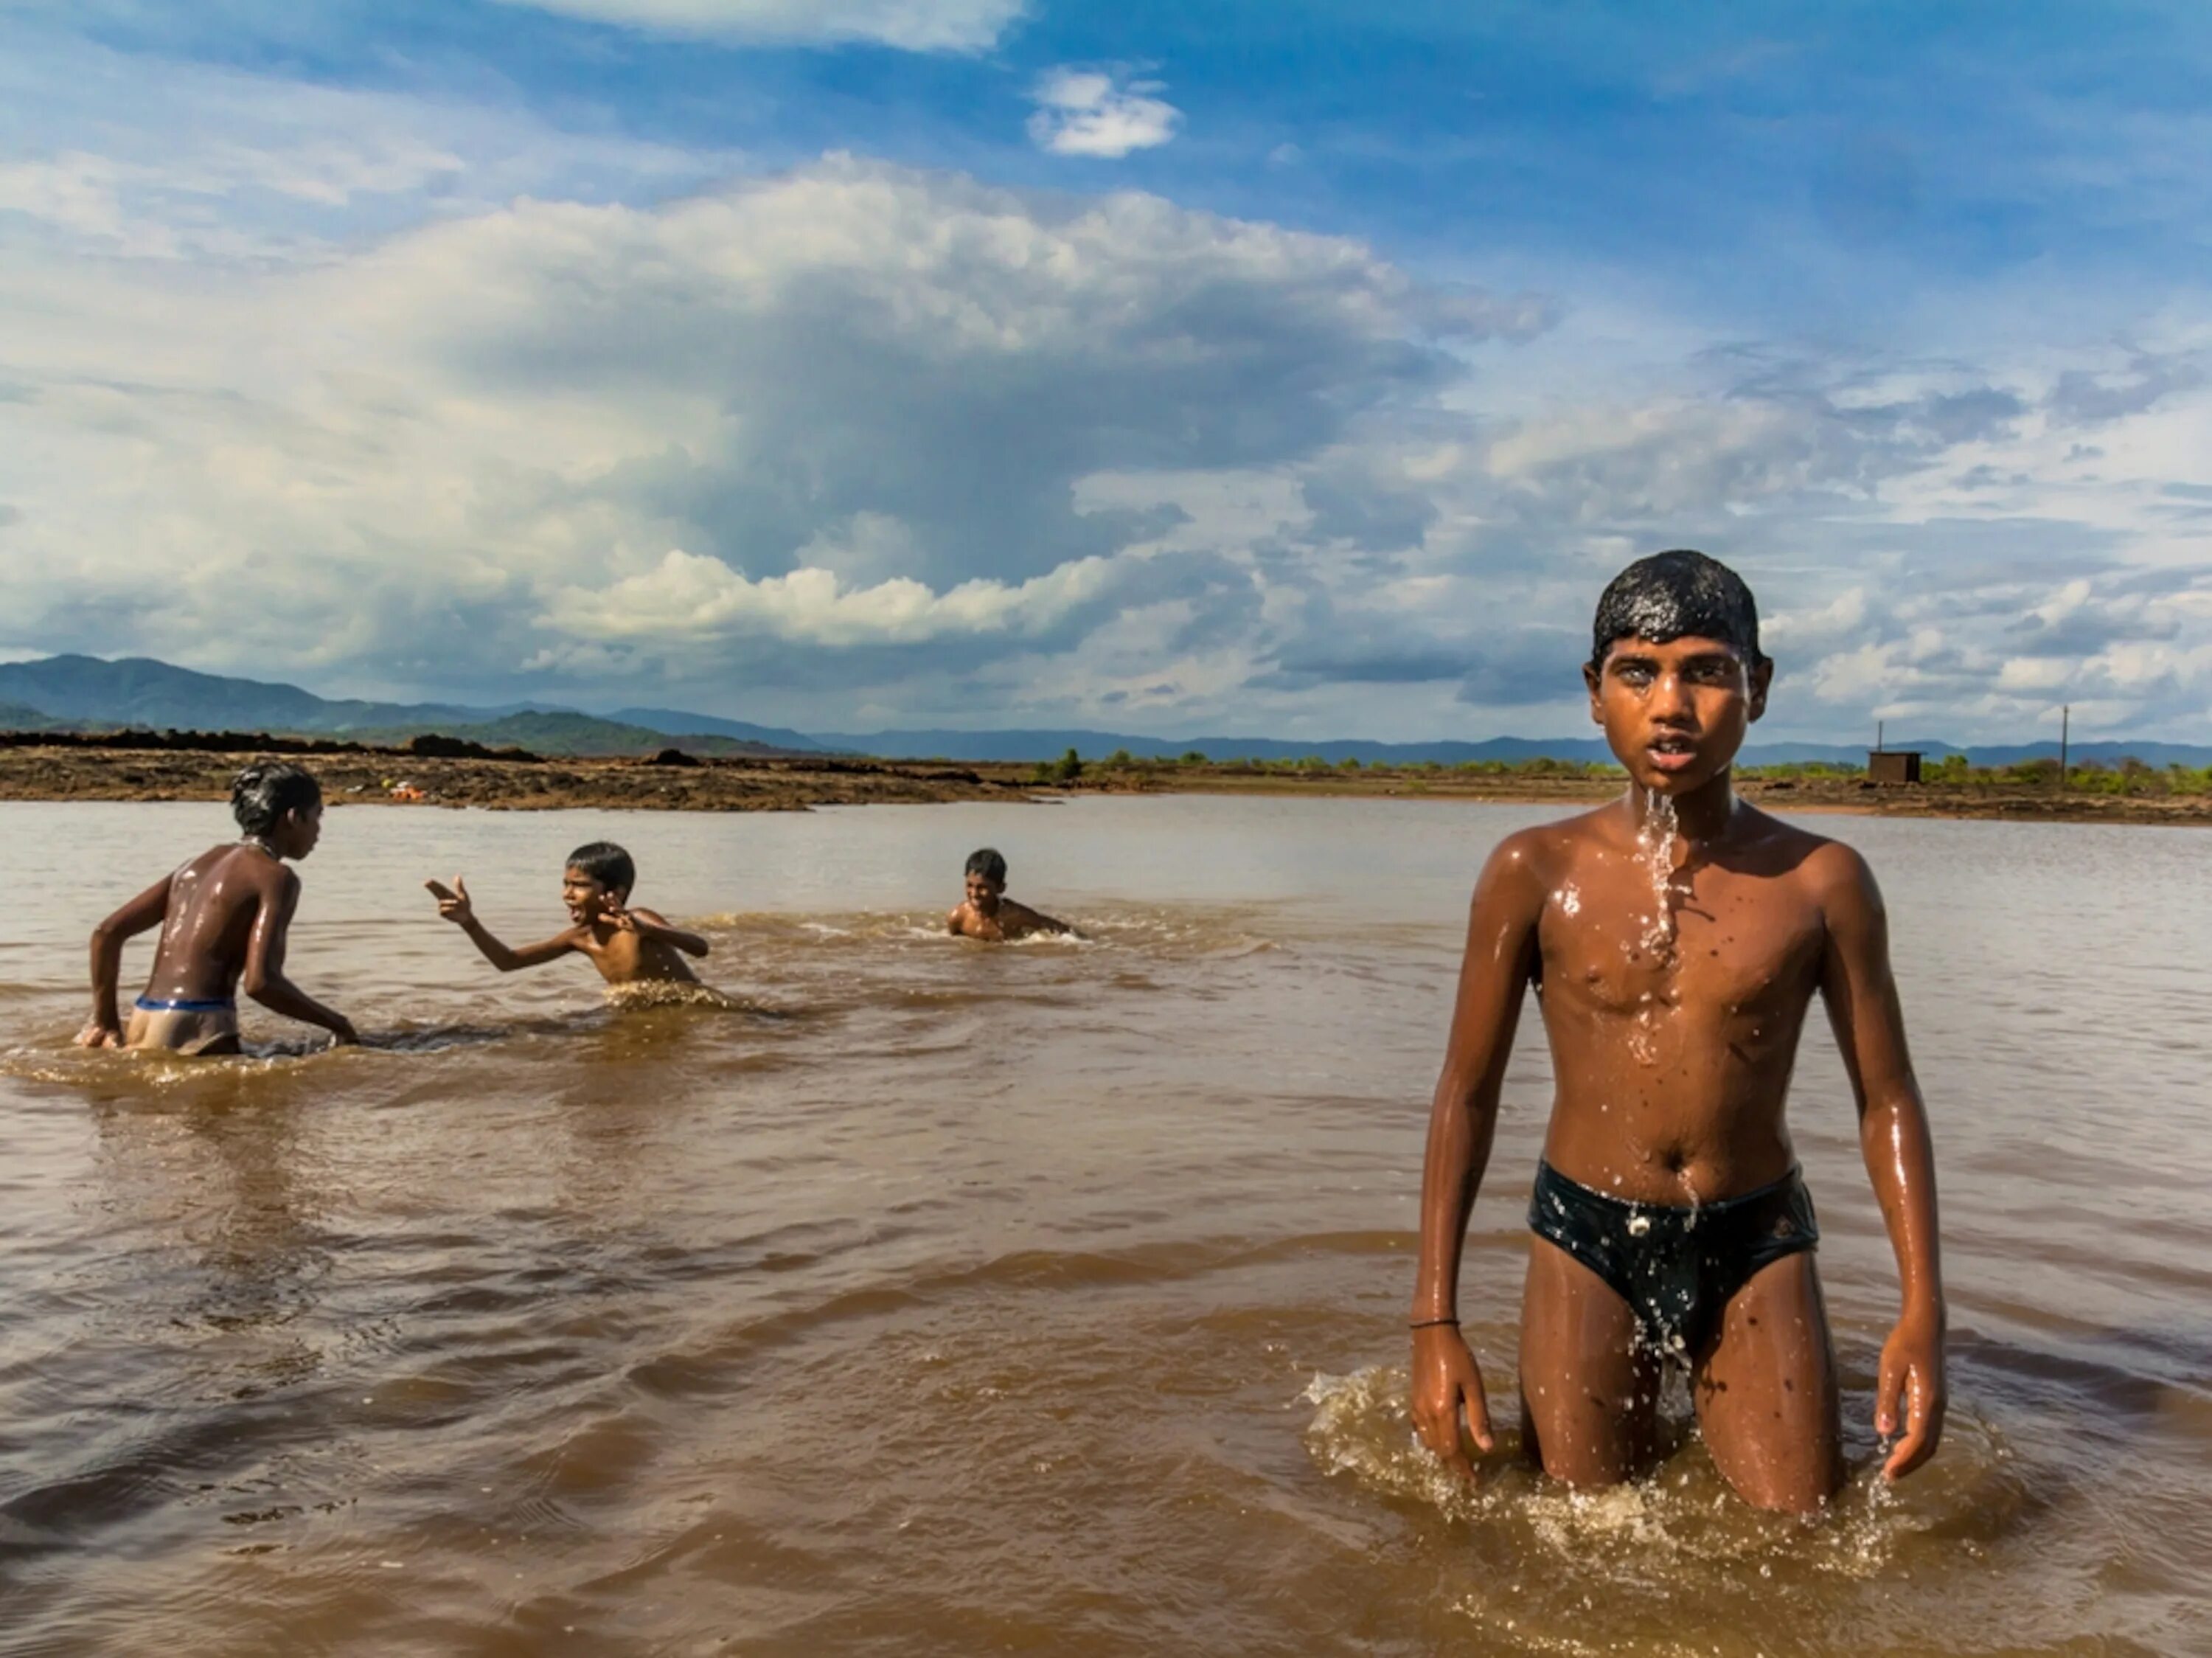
x=1532 y=861
x=1829 y=870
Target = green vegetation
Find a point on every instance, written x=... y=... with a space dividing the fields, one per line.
x=2130 y=777
x=1069 y=768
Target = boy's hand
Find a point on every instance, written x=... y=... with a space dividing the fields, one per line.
x=1445 y=1379
x=621 y=919
x=452 y=901
x=97 y=1035
x=343 y=1035
x=1912 y=1381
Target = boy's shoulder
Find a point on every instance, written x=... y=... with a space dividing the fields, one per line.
x=1830 y=869
x=1542 y=849
x=1527 y=864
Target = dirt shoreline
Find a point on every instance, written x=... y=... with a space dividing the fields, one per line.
x=387 y=778
x=39 y=773
x=1846 y=795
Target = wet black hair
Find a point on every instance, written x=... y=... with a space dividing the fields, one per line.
x=265 y=791
x=987 y=863
x=606 y=863
x=1676 y=595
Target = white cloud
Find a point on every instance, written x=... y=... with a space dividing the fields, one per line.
x=687 y=599
x=864 y=403
x=414 y=397
x=1087 y=112
x=219 y=165
x=910 y=25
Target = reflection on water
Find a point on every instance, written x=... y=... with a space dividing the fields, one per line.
x=904 y=1295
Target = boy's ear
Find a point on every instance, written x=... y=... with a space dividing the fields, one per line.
x=1593 y=678
x=1762 y=676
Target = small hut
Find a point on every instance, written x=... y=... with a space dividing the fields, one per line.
x=1890 y=765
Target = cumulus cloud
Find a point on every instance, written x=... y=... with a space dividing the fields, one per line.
x=408 y=397
x=910 y=25
x=855 y=411
x=1090 y=113
x=686 y=598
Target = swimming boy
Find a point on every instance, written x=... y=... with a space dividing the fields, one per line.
x=626 y=945
x=224 y=918
x=1676 y=938
x=987 y=913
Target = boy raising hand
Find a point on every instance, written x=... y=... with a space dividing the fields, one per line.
x=626 y=945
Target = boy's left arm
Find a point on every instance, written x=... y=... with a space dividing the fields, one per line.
x=143 y=913
x=1861 y=992
x=646 y=924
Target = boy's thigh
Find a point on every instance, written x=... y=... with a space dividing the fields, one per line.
x=1590 y=1390
x=1766 y=1392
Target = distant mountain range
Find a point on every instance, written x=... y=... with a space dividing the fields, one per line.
x=89 y=693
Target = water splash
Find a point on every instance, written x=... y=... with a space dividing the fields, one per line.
x=1655 y=844
x=1671 y=1532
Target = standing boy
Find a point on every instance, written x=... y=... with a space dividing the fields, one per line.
x=224 y=920
x=987 y=913
x=626 y=945
x=1676 y=939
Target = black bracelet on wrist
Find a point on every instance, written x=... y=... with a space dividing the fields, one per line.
x=1430 y=1324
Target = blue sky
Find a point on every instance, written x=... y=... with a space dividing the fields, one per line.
x=1301 y=368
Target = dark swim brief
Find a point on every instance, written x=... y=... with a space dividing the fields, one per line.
x=1676 y=1267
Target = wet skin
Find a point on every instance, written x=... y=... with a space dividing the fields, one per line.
x=627 y=946
x=225 y=918
x=989 y=914
x=1676 y=940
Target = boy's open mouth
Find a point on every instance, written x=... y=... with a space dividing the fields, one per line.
x=1671 y=751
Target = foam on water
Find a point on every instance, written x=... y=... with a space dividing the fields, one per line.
x=1644 y=1531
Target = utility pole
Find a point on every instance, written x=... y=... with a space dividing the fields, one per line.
x=1878 y=728
x=2065 y=731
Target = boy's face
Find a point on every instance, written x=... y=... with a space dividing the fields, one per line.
x=586 y=899
x=1675 y=714
x=984 y=893
x=297 y=831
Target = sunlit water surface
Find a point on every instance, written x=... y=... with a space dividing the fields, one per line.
x=932 y=1298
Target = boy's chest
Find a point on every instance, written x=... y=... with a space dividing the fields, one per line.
x=615 y=956
x=1622 y=938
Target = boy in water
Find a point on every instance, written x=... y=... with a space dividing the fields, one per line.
x=1676 y=939
x=627 y=946
x=224 y=918
x=988 y=913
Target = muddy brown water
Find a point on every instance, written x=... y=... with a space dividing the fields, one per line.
x=937 y=1299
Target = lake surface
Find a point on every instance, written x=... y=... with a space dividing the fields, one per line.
x=941 y=1299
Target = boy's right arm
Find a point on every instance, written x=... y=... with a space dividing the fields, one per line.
x=139 y=915
x=453 y=906
x=1501 y=945
x=263 y=978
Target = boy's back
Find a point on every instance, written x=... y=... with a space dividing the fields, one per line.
x=208 y=927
